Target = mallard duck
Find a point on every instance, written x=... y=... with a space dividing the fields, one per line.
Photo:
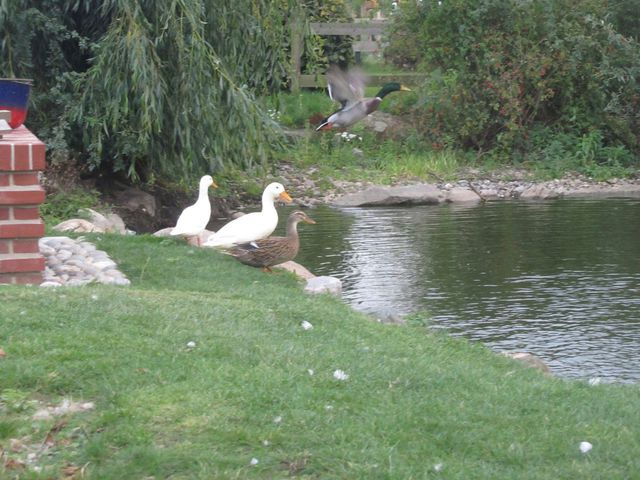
x=193 y=219
x=252 y=226
x=272 y=251
x=348 y=90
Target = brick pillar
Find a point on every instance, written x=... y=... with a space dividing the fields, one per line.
x=22 y=155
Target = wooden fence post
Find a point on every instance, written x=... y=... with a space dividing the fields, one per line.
x=297 y=44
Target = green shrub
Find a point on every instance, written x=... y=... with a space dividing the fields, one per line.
x=63 y=205
x=335 y=48
x=499 y=69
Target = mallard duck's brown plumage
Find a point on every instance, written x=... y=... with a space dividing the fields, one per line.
x=272 y=251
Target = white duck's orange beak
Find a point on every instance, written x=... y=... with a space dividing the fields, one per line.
x=213 y=184
x=284 y=196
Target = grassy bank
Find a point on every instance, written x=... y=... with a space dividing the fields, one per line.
x=415 y=404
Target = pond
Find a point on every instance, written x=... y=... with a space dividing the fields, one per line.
x=560 y=278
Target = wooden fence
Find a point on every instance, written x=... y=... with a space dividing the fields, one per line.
x=368 y=40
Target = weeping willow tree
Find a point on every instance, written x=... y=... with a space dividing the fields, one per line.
x=164 y=87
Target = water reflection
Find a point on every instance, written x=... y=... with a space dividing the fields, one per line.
x=558 y=278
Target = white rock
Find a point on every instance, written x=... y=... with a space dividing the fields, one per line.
x=462 y=195
x=104 y=264
x=323 y=284
x=87 y=406
x=46 y=250
x=42 y=414
x=77 y=225
x=340 y=375
x=165 y=232
x=109 y=223
x=296 y=268
x=539 y=192
x=64 y=255
x=585 y=447
x=379 y=127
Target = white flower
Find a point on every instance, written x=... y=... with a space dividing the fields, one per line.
x=306 y=325
x=191 y=344
x=340 y=375
x=254 y=461
x=585 y=447
x=328 y=407
x=595 y=381
x=94 y=297
x=310 y=371
x=438 y=467
x=278 y=419
x=265 y=443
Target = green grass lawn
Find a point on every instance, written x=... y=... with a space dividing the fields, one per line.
x=414 y=400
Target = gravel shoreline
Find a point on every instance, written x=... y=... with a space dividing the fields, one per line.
x=510 y=184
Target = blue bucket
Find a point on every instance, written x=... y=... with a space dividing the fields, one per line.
x=14 y=96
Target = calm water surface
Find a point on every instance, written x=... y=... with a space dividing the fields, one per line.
x=560 y=278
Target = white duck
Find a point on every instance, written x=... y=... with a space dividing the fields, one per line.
x=252 y=226
x=193 y=219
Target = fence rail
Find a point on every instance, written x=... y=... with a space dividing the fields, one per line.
x=351 y=28
x=319 y=80
x=367 y=43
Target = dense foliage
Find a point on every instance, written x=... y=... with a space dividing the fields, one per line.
x=334 y=49
x=538 y=80
x=164 y=87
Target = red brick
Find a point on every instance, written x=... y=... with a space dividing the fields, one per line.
x=21 y=196
x=22 y=157
x=24 y=263
x=29 y=152
x=5 y=246
x=5 y=213
x=25 y=245
x=26 y=213
x=25 y=179
x=5 y=157
x=39 y=162
x=33 y=278
x=5 y=179
x=12 y=229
